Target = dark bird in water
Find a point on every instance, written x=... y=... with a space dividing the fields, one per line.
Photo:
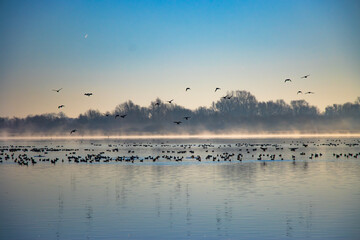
x=306 y=76
x=57 y=90
x=217 y=89
x=299 y=92
x=187 y=118
x=309 y=93
x=88 y=94
x=117 y=115
x=123 y=116
x=72 y=131
x=177 y=122
x=187 y=89
x=287 y=80
x=170 y=101
x=61 y=106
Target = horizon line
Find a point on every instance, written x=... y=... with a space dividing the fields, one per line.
x=197 y=136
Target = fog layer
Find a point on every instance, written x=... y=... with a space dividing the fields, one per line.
x=238 y=113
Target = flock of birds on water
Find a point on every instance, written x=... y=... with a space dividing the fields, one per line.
x=88 y=94
x=187 y=152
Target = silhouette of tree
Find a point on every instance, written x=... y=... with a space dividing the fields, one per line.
x=239 y=111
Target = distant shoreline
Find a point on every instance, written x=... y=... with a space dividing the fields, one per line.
x=212 y=136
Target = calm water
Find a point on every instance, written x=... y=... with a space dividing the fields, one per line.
x=316 y=198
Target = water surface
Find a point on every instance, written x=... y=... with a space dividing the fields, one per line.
x=316 y=198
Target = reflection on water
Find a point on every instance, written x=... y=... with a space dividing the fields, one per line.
x=233 y=200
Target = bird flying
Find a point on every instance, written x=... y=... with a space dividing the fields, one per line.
x=61 y=106
x=187 y=89
x=57 y=90
x=117 y=115
x=72 y=131
x=177 y=122
x=309 y=93
x=299 y=92
x=170 y=101
x=306 y=76
x=287 y=80
x=217 y=89
x=123 y=116
x=88 y=94
x=187 y=118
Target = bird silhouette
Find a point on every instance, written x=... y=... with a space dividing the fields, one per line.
x=88 y=94
x=107 y=114
x=117 y=115
x=57 y=90
x=309 y=93
x=306 y=76
x=170 y=101
x=229 y=97
x=177 y=122
x=187 y=89
x=123 y=116
x=299 y=92
x=287 y=80
x=187 y=118
x=217 y=89
x=72 y=131
x=61 y=106
x=157 y=104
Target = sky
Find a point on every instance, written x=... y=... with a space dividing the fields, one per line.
x=141 y=50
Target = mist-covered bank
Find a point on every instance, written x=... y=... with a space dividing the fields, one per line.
x=238 y=113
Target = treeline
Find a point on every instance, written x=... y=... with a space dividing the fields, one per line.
x=240 y=112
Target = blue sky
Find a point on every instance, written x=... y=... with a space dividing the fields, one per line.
x=141 y=50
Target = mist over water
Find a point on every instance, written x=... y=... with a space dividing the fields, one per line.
x=241 y=114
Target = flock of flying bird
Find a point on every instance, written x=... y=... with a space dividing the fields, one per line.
x=88 y=94
x=300 y=92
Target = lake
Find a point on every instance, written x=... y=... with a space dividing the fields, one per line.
x=279 y=188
